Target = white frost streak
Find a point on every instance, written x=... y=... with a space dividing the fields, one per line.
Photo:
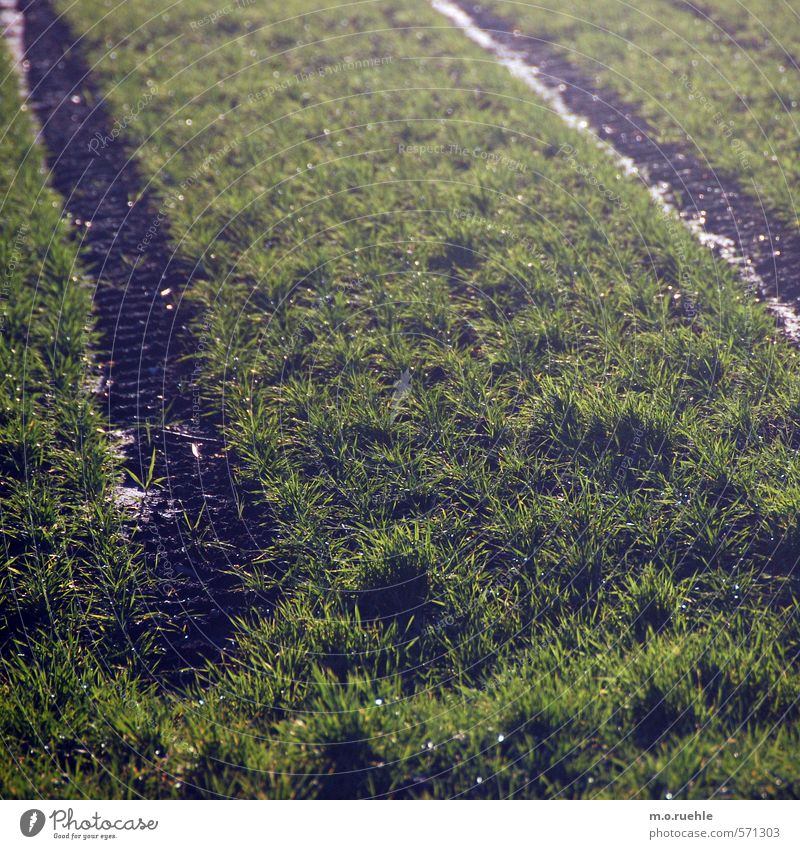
x=12 y=25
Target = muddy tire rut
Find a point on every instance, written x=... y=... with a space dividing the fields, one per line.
x=144 y=368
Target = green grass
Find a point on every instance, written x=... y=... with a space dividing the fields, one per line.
x=528 y=454
x=71 y=587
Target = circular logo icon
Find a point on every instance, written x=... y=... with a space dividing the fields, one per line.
x=31 y=822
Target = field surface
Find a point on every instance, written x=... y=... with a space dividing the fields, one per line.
x=369 y=430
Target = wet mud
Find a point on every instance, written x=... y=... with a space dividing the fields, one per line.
x=194 y=537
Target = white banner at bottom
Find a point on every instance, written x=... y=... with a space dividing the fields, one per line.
x=594 y=824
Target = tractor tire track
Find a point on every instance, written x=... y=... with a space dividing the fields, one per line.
x=714 y=206
x=145 y=379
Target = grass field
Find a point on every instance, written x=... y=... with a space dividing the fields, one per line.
x=525 y=452
x=71 y=586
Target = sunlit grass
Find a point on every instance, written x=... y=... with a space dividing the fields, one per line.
x=532 y=522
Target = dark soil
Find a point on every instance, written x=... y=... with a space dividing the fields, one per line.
x=145 y=353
